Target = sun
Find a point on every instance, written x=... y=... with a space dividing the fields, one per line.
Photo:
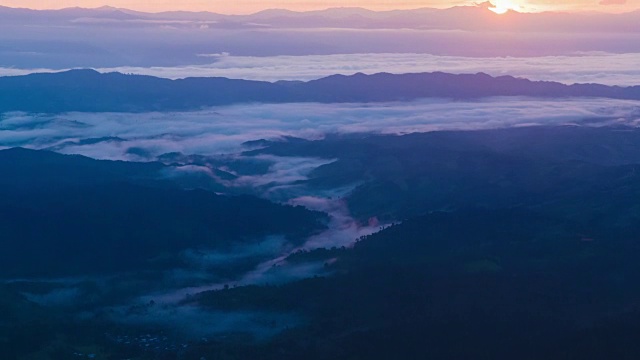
x=502 y=6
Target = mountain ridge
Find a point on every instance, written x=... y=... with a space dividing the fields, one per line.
x=327 y=10
x=86 y=90
x=467 y=17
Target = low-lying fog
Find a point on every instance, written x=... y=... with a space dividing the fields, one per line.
x=222 y=131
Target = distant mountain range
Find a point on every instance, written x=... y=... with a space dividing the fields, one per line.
x=110 y=37
x=459 y=17
x=91 y=91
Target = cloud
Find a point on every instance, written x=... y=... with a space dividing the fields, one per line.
x=177 y=50
x=203 y=259
x=594 y=67
x=344 y=230
x=284 y=172
x=215 y=56
x=222 y=130
x=613 y=2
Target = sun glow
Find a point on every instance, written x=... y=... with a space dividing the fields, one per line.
x=502 y=6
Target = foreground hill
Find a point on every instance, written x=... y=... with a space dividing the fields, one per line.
x=515 y=244
x=587 y=173
x=90 y=91
x=71 y=215
x=481 y=284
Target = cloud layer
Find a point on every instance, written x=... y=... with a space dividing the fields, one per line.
x=602 y=68
x=249 y=6
x=222 y=130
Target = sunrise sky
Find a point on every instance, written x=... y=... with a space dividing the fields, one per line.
x=249 y=6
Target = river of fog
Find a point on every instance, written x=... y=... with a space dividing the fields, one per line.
x=221 y=132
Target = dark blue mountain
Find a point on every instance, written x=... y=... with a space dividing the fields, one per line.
x=71 y=215
x=90 y=91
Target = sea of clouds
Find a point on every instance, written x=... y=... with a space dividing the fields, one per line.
x=591 y=67
x=223 y=130
x=595 y=67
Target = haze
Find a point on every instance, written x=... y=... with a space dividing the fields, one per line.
x=250 y=6
x=309 y=179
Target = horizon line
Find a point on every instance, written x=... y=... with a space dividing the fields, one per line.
x=108 y=71
x=477 y=5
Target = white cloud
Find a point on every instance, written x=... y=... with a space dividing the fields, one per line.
x=603 y=68
x=594 y=67
x=222 y=130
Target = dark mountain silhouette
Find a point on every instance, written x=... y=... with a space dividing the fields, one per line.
x=29 y=169
x=88 y=90
x=71 y=215
x=514 y=243
x=455 y=285
x=18 y=15
x=536 y=167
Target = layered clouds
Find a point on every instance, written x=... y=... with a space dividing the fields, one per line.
x=594 y=67
x=598 y=67
x=222 y=130
x=270 y=47
x=248 y=6
x=220 y=133
x=143 y=43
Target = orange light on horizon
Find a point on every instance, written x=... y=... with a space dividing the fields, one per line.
x=503 y=6
x=252 y=6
